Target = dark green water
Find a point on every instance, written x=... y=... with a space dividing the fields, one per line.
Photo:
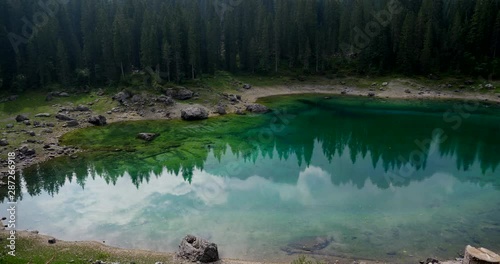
x=389 y=180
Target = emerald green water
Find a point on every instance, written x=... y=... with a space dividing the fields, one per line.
x=389 y=180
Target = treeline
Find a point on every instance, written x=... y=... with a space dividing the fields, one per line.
x=103 y=41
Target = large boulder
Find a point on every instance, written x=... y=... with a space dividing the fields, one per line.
x=197 y=249
x=97 y=120
x=183 y=94
x=257 y=108
x=122 y=96
x=147 y=136
x=21 y=118
x=194 y=113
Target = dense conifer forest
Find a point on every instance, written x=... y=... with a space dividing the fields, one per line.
x=98 y=42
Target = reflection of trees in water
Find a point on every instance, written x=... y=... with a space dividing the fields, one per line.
x=389 y=141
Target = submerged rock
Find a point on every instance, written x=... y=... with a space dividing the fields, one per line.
x=257 y=108
x=194 y=113
x=98 y=120
x=197 y=249
x=307 y=244
x=147 y=136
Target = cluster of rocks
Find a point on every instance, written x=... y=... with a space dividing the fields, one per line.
x=180 y=93
x=232 y=98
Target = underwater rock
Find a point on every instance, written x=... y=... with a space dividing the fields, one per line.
x=147 y=136
x=97 y=120
x=307 y=245
x=257 y=108
x=194 y=113
x=197 y=249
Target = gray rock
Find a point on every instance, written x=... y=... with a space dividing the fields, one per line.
x=25 y=150
x=385 y=83
x=4 y=142
x=27 y=122
x=9 y=126
x=52 y=241
x=240 y=112
x=32 y=133
x=122 y=96
x=489 y=86
x=21 y=118
x=167 y=100
x=194 y=113
x=63 y=94
x=257 y=108
x=247 y=86
x=371 y=94
x=183 y=94
x=147 y=136
x=81 y=108
x=50 y=125
x=137 y=98
x=196 y=249
x=98 y=120
x=408 y=91
x=63 y=117
x=47 y=131
x=72 y=123
x=221 y=110
x=43 y=115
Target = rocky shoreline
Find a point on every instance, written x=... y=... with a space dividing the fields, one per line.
x=44 y=129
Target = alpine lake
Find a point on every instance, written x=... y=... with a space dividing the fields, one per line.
x=355 y=177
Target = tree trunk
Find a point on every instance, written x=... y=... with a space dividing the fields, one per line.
x=480 y=256
x=123 y=72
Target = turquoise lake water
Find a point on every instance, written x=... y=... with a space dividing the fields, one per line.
x=390 y=180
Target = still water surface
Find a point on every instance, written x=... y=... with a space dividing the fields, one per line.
x=389 y=180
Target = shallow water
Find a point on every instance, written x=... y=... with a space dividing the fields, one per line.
x=388 y=180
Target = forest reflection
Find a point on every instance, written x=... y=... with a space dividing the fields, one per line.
x=391 y=140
